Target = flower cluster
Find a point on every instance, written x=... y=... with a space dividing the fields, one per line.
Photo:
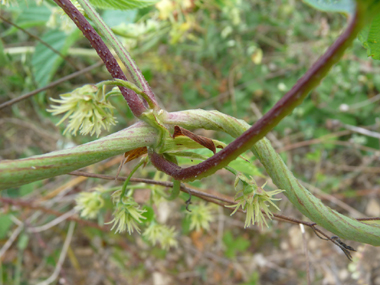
x=89 y=203
x=85 y=109
x=200 y=216
x=253 y=200
x=161 y=234
x=127 y=215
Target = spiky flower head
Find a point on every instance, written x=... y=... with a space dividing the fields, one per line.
x=86 y=110
x=254 y=200
x=161 y=234
x=89 y=203
x=127 y=216
x=200 y=216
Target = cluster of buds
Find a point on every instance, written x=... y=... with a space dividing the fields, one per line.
x=200 y=216
x=127 y=214
x=90 y=203
x=87 y=109
x=254 y=200
x=161 y=234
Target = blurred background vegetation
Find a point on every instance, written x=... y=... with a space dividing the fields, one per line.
x=238 y=57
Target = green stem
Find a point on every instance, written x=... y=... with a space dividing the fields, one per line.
x=129 y=85
x=123 y=54
x=14 y=173
x=175 y=191
x=126 y=182
x=299 y=196
x=19 y=172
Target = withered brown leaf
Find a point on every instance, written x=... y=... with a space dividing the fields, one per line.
x=206 y=142
x=135 y=153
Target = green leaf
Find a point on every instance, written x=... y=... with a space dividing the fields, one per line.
x=3 y=57
x=28 y=15
x=370 y=38
x=149 y=215
x=45 y=61
x=339 y=6
x=122 y=4
x=234 y=244
x=114 y=18
x=5 y=224
x=23 y=241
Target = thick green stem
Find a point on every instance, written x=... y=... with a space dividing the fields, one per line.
x=18 y=172
x=14 y=173
x=299 y=196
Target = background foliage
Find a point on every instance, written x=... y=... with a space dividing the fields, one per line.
x=238 y=57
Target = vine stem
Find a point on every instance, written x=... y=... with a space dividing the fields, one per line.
x=126 y=182
x=123 y=54
x=281 y=109
x=134 y=101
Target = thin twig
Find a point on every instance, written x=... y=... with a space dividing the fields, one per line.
x=10 y=241
x=215 y=199
x=31 y=205
x=306 y=253
x=362 y=131
x=59 y=81
x=203 y=195
x=61 y=256
x=313 y=141
x=52 y=223
x=42 y=42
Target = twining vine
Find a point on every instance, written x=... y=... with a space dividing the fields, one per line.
x=155 y=129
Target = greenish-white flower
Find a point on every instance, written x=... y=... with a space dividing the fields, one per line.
x=161 y=234
x=85 y=109
x=127 y=216
x=254 y=200
x=89 y=204
x=200 y=216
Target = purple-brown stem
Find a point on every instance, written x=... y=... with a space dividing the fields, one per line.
x=134 y=101
x=283 y=107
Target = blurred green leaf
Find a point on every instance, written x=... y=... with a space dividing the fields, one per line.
x=370 y=38
x=3 y=57
x=340 y=6
x=5 y=224
x=45 y=61
x=149 y=214
x=114 y=17
x=234 y=245
x=122 y=4
x=23 y=241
